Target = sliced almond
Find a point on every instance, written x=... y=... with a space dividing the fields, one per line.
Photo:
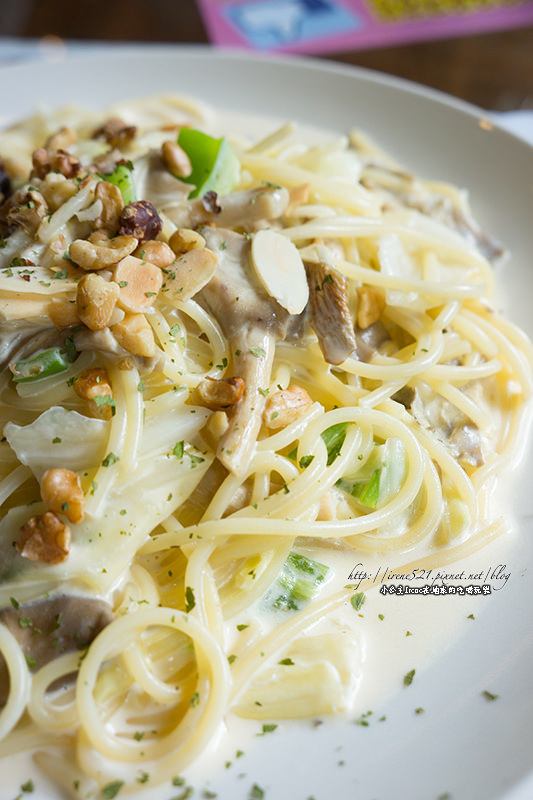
x=139 y=283
x=279 y=267
x=190 y=273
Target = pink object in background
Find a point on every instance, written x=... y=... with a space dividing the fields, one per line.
x=319 y=26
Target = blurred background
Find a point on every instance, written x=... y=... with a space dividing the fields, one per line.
x=477 y=50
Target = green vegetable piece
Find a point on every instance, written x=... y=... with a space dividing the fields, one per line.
x=297 y=583
x=334 y=437
x=215 y=167
x=42 y=364
x=122 y=176
x=368 y=493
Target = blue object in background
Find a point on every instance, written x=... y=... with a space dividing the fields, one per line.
x=268 y=24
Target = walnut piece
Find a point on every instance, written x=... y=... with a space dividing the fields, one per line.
x=62 y=493
x=218 y=394
x=44 y=538
x=286 y=406
x=370 y=308
x=112 y=205
x=94 y=386
x=61 y=139
x=27 y=209
x=116 y=132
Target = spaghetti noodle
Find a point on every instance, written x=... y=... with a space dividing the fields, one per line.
x=185 y=442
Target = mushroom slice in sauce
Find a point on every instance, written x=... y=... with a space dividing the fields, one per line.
x=370 y=339
x=451 y=426
x=232 y=210
x=19 y=340
x=405 y=190
x=253 y=322
x=329 y=312
x=46 y=629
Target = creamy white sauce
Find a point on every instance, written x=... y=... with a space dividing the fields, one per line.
x=397 y=634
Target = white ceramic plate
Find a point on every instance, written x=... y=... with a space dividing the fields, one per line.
x=462 y=745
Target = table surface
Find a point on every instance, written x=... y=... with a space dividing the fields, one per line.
x=493 y=70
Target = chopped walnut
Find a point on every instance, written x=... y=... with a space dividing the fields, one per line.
x=285 y=406
x=112 y=205
x=218 y=394
x=94 y=386
x=57 y=189
x=107 y=162
x=44 y=538
x=370 y=308
x=116 y=132
x=67 y=164
x=45 y=161
x=62 y=493
x=41 y=163
x=27 y=208
x=61 y=139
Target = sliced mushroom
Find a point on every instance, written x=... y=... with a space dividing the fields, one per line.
x=402 y=189
x=330 y=315
x=449 y=424
x=253 y=322
x=48 y=628
x=465 y=443
x=19 y=341
x=232 y=210
x=370 y=339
